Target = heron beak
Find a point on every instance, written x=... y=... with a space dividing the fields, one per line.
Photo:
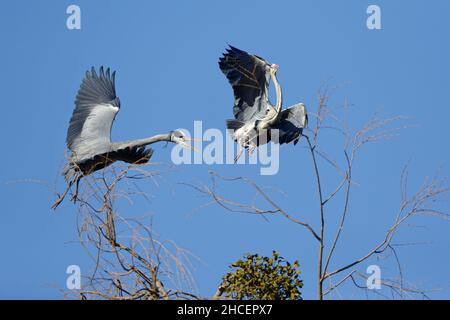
x=194 y=139
x=188 y=146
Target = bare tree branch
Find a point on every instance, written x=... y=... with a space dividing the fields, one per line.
x=130 y=263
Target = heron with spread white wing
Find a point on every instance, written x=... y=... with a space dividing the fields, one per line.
x=89 y=133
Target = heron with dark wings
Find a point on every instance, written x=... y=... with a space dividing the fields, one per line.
x=89 y=133
x=257 y=121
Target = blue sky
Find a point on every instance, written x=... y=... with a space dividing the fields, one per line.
x=165 y=54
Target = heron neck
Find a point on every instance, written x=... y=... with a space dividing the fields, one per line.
x=142 y=142
x=278 y=93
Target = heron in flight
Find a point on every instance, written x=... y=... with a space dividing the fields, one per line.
x=257 y=121
x=89 y=133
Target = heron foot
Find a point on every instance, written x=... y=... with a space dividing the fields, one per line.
x=77 y=184
x=74 y=198
x=238 y=155
x=61 y=198
x=57 y=203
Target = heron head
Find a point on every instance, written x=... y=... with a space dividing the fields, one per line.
x=274 y=68
x=179 y=137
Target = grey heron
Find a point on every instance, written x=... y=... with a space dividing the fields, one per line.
x=249 y=76
x=89 y=133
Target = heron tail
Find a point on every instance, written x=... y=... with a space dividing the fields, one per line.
x=234 y=124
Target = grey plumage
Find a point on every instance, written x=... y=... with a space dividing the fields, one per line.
x=89 y=133
x=249 y=76
x=291 y=124
x=96 y=92
x=134 y=155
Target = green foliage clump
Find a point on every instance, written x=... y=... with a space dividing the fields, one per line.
x=263 y=278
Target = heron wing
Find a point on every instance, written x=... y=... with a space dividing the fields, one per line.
x=133 y=155
x=292 y=122
x=96 y=106
x=249 y=78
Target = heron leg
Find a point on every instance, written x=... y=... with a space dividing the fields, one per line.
x=250 y=151
x=61 y=198
x=77 y=183
x=241 y=150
